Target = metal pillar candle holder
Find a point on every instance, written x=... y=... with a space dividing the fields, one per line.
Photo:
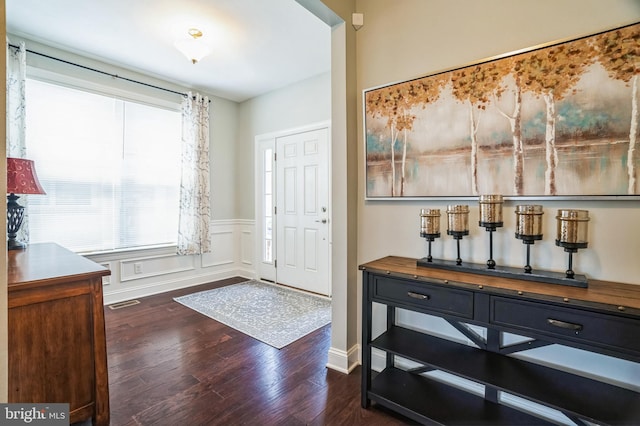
x=430 y=227
x=490 y=219
x=572 y=234
x=529 y=228
x=458 y=225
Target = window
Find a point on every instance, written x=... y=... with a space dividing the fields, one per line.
x=267 y=250
x=110 y=167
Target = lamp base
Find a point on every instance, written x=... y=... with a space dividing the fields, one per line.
x=549 y=277
x=13 y=244
x=15 y=215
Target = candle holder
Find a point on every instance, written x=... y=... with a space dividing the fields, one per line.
x=430 y=227
x=572 y=233
x=490 y=219
x=529 y=228
x=458 y=225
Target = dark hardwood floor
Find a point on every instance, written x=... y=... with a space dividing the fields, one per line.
x=169 y=365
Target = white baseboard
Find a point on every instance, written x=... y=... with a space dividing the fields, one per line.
x=248 y=273
x=342 y=361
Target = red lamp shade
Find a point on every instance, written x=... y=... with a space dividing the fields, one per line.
x=22 y=178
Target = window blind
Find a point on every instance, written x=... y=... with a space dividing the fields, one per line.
x=110 y=167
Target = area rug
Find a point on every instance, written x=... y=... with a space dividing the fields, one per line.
x=270 y=313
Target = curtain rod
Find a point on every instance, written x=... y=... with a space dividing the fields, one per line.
x=100 y=72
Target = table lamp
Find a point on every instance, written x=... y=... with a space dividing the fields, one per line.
x=21 y=179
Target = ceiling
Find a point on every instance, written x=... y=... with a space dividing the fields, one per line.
x=258 y=45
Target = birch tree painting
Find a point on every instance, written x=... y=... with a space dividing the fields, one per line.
x=618 y=53
x=560 y=120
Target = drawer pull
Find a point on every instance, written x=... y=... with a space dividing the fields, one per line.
x=563 y=324
x=417 y=295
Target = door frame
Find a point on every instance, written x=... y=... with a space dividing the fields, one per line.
x=265 y=141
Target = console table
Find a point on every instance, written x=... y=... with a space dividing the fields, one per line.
x=56 y=336
x=603 y=318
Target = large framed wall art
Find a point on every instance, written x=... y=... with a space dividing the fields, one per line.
x=559 y=120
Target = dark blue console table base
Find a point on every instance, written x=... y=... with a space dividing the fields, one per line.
x=604 y=318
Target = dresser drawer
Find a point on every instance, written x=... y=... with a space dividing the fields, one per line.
x=581 y=326
x=424 y=297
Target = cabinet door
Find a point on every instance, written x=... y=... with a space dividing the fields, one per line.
x=51 y=351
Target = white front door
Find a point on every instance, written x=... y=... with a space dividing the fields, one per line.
x=302 y=210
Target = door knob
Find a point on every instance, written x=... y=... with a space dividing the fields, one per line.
x=323 y=220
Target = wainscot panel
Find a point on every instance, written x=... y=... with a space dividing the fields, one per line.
x=153 y=266
x=144 y=272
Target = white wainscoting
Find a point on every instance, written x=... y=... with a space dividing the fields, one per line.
x=140 y=273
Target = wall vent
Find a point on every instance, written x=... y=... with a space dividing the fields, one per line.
x=124 y=304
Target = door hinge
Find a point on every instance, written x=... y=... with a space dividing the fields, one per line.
x=275 y=209
x=275 y=156
x=275 y=263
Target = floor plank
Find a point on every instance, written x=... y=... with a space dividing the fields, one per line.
x=169 y=365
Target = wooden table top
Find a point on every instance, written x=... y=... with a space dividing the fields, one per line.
x=607 y=295
x=47 y=262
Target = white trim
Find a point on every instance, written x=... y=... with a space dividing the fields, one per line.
x=326 y=124
x=103 y=256
x=106 y=280
x=245 y=260
x=344 y=362
x=167 y=270
x=224 y=262
x=127 y=277
x=227 y=261
x=232 y=222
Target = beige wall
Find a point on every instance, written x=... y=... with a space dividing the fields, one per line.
x=411 y=38
x=403 y=39
x=223 y=129
x=343 y=354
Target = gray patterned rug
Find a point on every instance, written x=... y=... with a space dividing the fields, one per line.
x=270 y=313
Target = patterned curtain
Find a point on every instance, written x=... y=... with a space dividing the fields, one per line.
x=195 y=210
x=16 y=119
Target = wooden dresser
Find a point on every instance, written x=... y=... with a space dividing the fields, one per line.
x=603 y=318
x=57 y=347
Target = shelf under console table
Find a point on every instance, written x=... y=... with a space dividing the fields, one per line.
x=603 y=318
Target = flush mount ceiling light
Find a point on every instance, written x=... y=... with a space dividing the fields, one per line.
x=194 y=47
